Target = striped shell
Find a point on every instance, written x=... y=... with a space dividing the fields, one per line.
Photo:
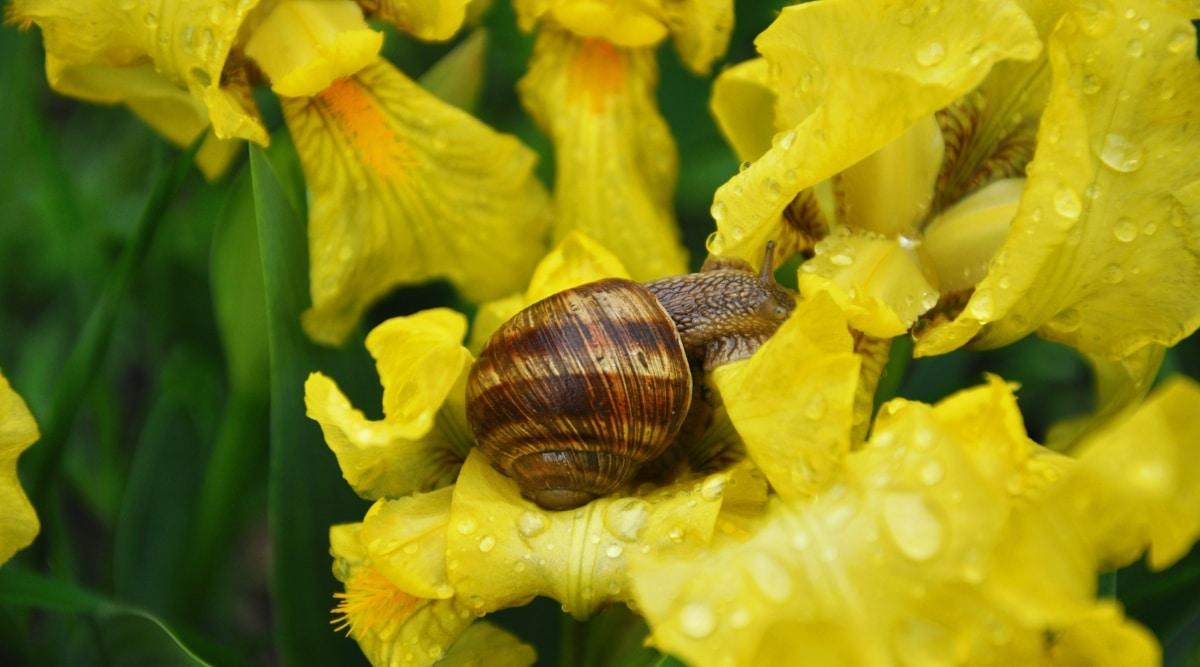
x=573 y=393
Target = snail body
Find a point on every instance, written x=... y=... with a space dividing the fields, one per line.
x=574 y=393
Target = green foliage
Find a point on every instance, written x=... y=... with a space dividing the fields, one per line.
x=151 y=321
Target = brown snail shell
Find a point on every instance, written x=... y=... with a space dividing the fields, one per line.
x=573 y=393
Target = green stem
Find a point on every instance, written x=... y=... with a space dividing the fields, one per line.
x=899 y=356
x=240 y=453
x=92 y=343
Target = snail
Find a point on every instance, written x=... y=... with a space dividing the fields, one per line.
x=572 y=394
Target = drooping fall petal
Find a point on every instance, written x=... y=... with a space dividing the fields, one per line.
x=616 y=163
x=392 y=626
x=502 y=550
x=168 y=66
x=18 y=522
x=1104 y=252
x=423 y=437
x=405 y=188
x=852 y=77
x=952 y=538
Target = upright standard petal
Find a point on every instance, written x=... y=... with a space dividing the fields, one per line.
x=743 y=102
x=18 y=522
x=852 y=76
x=1104 y=254
x=405 y=188
x=423 y=438
x=792 y=402
x=616 y=163
x=97 y=50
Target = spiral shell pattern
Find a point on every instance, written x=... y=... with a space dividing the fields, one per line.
x=573 y=393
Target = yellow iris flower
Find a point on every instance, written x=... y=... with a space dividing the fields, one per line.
x=974 y=172
x=402 y=186
x=947 y=537
x=18 y=522
x=591 y=88
x=947 y=534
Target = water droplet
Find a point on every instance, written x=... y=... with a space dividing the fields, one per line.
x=487 y=543
x=1066 y=202
x=842 y=259
x=914 y=528
x=1113 y=274
x=787 y=139
x=466 y=526
x=815 y=409
x=770 y=577
x=1092 y=191
x=929 y=300
x=1135 y=48
x=614 y=551
x=531 y=524
x=713 y=487
x=931 y=54
x=923 y=439
x=627 y=518
x=410 y=548
x=676 y=535
x=1120 y=153
x=1091 y=84
x=1143 y=25
x=931 y=473
x=1180 y=42
x=744 y=165
x=740 y=618
x=697 y=620
x=1125 y=230
x=1004 y=283
x=151 y=20
x=594 y=539
x=982 y=305
x=801 y=540
x=717 y=211
x=1068 y=320
x=1149 y=228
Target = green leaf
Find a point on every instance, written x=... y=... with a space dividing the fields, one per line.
x=306 y=493
x=457 y=78
x=150 y=546
x=83 y=363
x=128 y=635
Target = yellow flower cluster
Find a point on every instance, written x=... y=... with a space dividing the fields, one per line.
x=403 y=187
x=947 y=534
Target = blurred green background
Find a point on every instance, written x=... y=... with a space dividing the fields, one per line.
x=168 y=515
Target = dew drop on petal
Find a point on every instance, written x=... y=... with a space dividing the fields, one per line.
x=713 y=487
x=914 y=528
x=1179 y=42
x=466 y=526
x=614 y=551
x=740 y=618
x=842 y=259
x=1090 y=84
x=982 y=305
x=1135 y=48
x=676 y=535
x=1066 y=202
x=772 y=580
x=531 y=524
x=931 y=54
x=1125 y=230
x=931 y=473
x=1121 y=154
x=487 y=543
x=718 y=211
x=1068 y=320
x=697 y=620
x=787 y=139
x=1113 y=274
x=627 y=518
